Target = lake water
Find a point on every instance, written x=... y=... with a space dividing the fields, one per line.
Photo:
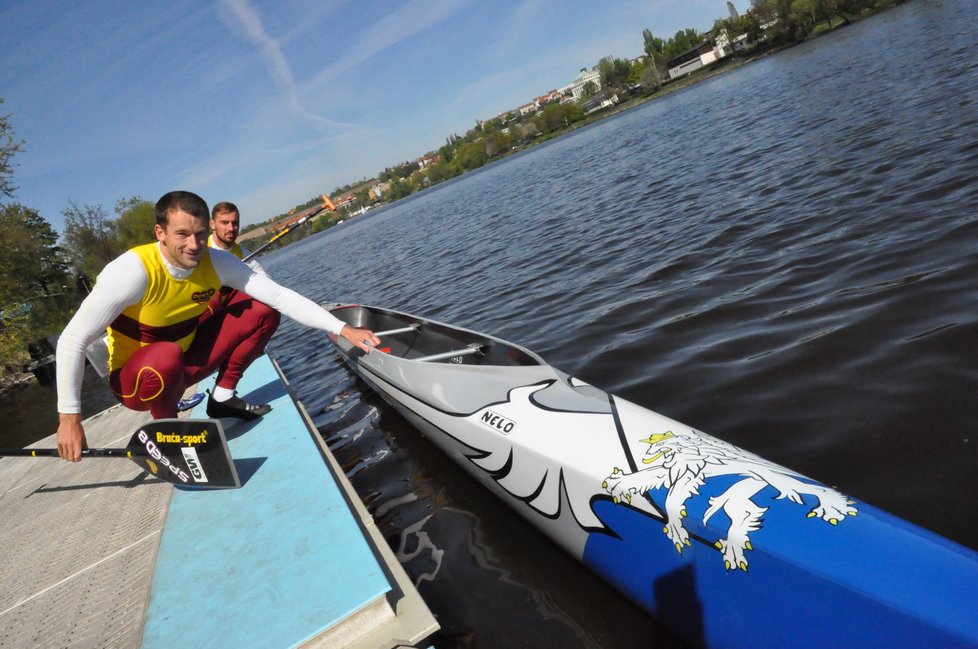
x=784 y=256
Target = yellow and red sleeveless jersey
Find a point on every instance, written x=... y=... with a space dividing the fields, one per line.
x=168 y=310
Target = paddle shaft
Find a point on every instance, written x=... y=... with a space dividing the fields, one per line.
x=327 y=205
x=53 y=452
x=186 y=452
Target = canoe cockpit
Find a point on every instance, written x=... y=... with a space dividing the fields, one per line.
x=431 y=342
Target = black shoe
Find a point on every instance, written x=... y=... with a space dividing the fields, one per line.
x=236 y=407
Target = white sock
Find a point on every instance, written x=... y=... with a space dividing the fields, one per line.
x=221 y=394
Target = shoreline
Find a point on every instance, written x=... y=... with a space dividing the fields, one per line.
x=703 y=74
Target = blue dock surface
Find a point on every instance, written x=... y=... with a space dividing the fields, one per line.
x=287 y=559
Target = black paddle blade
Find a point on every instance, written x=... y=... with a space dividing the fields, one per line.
x=188 y=452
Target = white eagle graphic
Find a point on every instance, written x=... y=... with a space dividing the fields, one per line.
x=683 y=462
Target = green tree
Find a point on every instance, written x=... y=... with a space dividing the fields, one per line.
x=399 y=188
x=91 y=238
x=399 y=172
x=32 y=259
x=614 y=72
x=440 y=171
x=134 y=225
x=723 y=32
x=496 y=143
x=847 y=9
x=9 y=147
x=33 y=272
x=653 y=73
x=472 y=155
x=557 y=116
x=683 y=41
x=322 y=222
x=635 y=72
x=589 y=90
x=653 y=44
x=527 y=131
x=787 y=26
x=447 y=153
x=34 y=300
x=750 y=25
x=650 y=78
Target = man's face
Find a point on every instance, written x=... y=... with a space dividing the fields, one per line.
x=225 y=226
x=184 y=239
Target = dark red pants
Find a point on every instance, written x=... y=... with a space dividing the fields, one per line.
x=230 y=335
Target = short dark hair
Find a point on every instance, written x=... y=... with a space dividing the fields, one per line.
x=188 y=202
x=225 y=207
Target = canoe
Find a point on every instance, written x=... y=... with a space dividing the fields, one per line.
x=725 y=548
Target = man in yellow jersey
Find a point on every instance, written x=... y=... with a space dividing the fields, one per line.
x=153 y=299
x=225 y=225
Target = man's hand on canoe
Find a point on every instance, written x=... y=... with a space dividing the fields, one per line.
x=361 y=338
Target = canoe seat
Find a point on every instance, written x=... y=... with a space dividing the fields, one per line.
x=402 y=330
x=473 y=348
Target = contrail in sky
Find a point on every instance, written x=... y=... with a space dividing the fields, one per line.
x=248 y=19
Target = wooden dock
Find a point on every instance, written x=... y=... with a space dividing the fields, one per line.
x=100 y=554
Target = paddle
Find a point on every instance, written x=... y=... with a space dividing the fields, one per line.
x=188 y=452
x=327 y=205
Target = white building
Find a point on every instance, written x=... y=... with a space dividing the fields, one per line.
x=377 y=191
x=577 y=86
x=692 y=59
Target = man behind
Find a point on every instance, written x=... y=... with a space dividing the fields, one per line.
x=225 y=225
x=162 y=336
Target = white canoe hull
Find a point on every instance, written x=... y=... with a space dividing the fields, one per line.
x=723 y=546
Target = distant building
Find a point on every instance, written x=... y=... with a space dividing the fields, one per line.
x=726 y=47
x=429 y=158
x=692 y=59
x=377 y=191
x=599 y=102
x=582 y=79
x=343 y=201
x=551 y=97
x=281 y=225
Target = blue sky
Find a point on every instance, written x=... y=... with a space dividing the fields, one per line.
x=268 y=104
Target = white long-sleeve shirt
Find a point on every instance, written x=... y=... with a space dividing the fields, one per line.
x=123 y=281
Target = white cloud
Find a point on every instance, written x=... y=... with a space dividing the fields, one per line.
x=519 y=24
x=244 y=16
x=413 y=18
